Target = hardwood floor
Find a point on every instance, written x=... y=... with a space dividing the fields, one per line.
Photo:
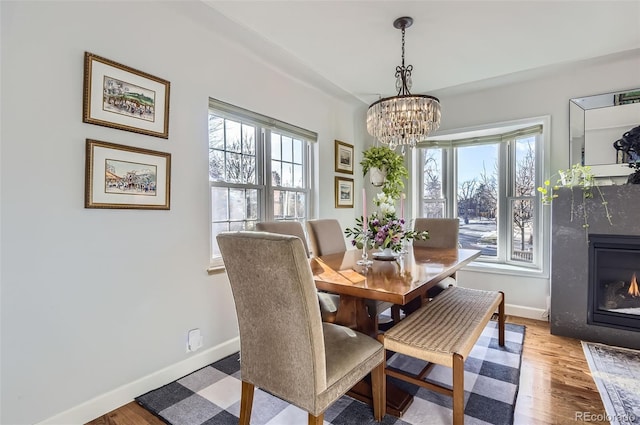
x=555 y=384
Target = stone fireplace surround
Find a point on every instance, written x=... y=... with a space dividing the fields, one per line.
x=570 y=258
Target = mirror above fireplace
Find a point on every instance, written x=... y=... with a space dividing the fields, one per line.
x=595 y=123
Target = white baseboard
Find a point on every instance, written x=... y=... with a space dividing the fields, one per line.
x=527 y=312
x=107 y=402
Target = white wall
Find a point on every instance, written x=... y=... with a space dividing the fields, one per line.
x=96 y=304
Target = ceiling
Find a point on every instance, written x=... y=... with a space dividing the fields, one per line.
x=351 y=48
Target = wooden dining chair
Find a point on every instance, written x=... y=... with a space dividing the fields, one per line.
x=328 y=302
x=285 y=348
x=326 y=237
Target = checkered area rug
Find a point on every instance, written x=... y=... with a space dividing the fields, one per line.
x=211 y=395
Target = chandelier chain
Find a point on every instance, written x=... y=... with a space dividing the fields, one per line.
x=405 y=119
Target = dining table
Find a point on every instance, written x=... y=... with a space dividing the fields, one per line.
x=402 y=280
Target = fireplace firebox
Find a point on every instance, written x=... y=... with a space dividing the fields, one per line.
x=614 y=271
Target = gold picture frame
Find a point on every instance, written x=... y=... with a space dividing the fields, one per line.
x=343 y=157
x=121 y=97
x=344 y=192
x=119 y=176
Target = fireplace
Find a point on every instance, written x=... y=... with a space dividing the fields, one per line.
x=570 y=306
x=614 y=270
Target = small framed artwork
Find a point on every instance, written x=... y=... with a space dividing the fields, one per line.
x=124 y=98
x=344 y=192
x=118 y=176
x=344 y=157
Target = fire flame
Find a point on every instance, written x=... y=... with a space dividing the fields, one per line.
x=633 y=287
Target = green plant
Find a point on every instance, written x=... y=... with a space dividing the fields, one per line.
x=392 y=163
x=578 y=176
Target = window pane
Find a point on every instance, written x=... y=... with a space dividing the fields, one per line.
x=289 y=205
x=276 y=146
x=276 y=173
x=287 y=175
x=253 y=211
x=248 y=139
x=278 y=204
x=216 y=165
x=525 y=178
x=216 y=132
x=287 y=149
x=432 y=174
x=298 y=176
x=297 y=151
x=237 y=205
x=301 y=202
x=219 y=204
x=433 y=209
x=522 y=230
x=233 y=136
x=215 y=229
x=234 y=168
x=249 y=169
x=477 y=195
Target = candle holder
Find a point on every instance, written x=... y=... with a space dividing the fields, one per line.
x=364 y=261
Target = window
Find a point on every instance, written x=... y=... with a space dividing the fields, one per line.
x=259 y=170
x=489 y=182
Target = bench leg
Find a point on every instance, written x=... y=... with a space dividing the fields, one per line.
x=501 y=321
x=458 y=389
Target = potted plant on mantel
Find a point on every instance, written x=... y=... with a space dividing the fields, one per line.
x=386 y=168
x=579 y=176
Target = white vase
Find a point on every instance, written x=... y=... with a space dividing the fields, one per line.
x=387 y=252
x=377 y=176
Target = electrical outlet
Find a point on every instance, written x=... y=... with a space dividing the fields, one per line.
x=194 y=340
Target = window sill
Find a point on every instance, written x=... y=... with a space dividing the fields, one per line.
x=507 y=269
x=215 y=269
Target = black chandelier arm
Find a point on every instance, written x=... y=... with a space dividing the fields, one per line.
x=385 y=99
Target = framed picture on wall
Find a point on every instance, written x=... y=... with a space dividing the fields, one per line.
x=121 y=97
x=344 y=157
x=118 y=176
x=344 y=192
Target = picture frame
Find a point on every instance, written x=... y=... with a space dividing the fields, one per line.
x=119 y=176
x=343 y=157
x=344 y=192
x=121 y=97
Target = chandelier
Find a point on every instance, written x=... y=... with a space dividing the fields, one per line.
x=404 y=119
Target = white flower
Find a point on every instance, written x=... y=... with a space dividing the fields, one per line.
x=387 y=209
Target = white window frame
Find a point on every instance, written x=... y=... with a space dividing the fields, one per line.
x=451 y=139
x=265 y=126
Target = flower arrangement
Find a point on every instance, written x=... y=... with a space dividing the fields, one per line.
x=383 y=229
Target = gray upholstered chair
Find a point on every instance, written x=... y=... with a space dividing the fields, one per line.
x=327 y=238
x=328 y=302
x=443 y=232
x=285 y=348
x=293 y=228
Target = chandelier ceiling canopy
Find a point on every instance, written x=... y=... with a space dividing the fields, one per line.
x=404 y=119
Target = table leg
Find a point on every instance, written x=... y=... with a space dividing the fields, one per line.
x=352 y=312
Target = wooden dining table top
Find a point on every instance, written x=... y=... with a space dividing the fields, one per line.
x=397 y=281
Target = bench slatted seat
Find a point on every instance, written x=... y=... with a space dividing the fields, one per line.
x=443 y=331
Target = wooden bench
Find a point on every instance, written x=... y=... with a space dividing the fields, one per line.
x=443 y=331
